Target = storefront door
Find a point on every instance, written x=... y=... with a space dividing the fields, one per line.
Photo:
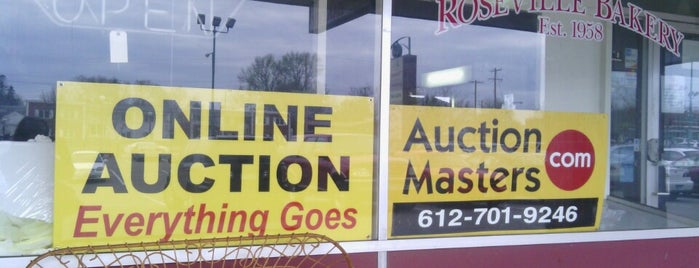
x=654 y=121
x=627 y=114
x=679 y=129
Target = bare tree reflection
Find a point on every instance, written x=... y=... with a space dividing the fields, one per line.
x=293 y=72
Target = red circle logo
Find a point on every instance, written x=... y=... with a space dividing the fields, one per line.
x=570 y=159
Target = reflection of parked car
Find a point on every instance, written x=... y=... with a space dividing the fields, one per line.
x=682 y=142
x=673 y=154
x=621 y=167
x=688 y=168
x=676 y=183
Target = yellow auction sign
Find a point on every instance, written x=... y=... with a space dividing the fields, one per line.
x=457 y=171
x=147 y=163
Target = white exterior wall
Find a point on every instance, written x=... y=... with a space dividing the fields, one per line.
x=574 y=80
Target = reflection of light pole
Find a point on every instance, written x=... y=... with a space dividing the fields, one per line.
x=214 y=30
x=475 y=92
x=691 y=88
x=495 y=85
x=397 y=48
x=403 y=73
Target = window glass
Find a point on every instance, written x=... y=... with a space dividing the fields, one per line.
x=493 y=65
x=160 y=43
x=677 y=122
x=479 y=64
x=487 y=98
x=208 y=49
x=651 y=114
x=474 y=135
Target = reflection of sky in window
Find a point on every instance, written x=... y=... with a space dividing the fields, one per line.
x=518 y=54
x=46 y=41
x=680 y=86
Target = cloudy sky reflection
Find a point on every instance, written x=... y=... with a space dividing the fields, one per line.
x=45 y=41
x=518 y=55
x=51 y=40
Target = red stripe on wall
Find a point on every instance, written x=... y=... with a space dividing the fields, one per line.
x=675 y=252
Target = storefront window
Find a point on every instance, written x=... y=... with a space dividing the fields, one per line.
x=189 y=96
x=160 y=43
x=457 y=169
x=678 y=123
x=651 y=122
x=126 y=121
x=493 y=157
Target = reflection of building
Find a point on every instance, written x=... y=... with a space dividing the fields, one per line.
x=8 y=124
x=41 y=109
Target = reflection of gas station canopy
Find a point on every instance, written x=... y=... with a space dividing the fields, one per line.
x=342 y=11
x=337 y=13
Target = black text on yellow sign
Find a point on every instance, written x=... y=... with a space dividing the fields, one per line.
x=173 y=117
x=210 y=163
x=481 y=178
x=460 y=171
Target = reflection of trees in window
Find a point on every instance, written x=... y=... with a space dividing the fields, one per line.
x=362 y=91
x=8 y=96
x=50 y=96
x=11 y=108
x=113 y=80
x=293 y=72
